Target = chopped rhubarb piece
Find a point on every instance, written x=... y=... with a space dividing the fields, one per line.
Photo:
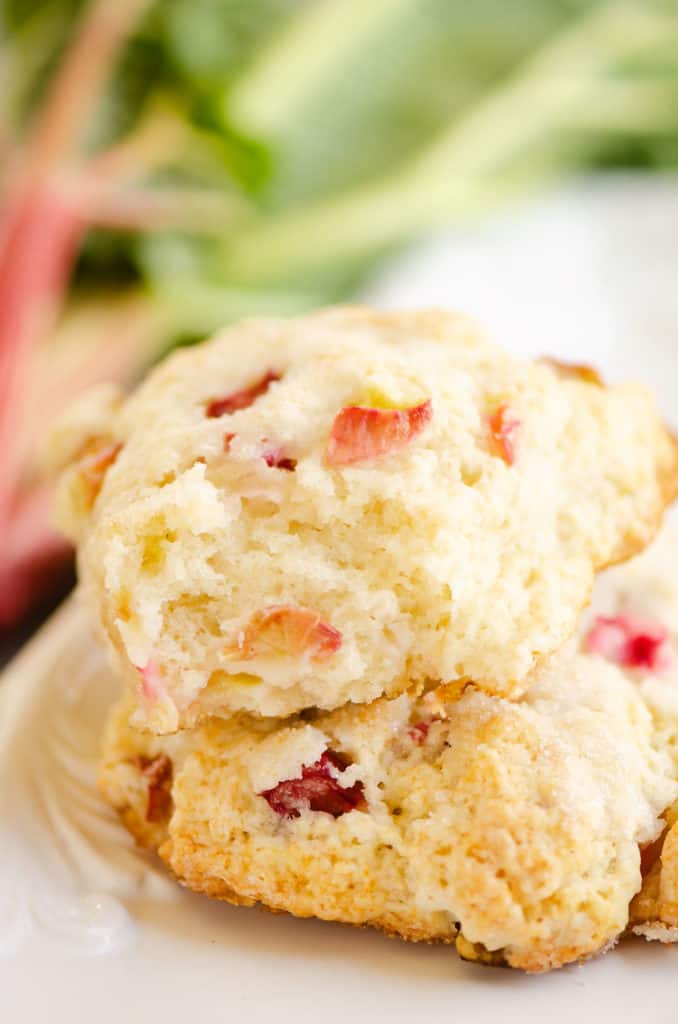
x=272 y=455
x=276 y=459
x=286 y=631
x=152 y=682
x=158 y=774
x=95 y=459
x=360 y=433
x=240 y=399
x=576 y=371
x=503 y=427
x=630 y=642
x=318 y=789
x=419 y=731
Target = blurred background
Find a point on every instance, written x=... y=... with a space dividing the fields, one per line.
x=169 y=166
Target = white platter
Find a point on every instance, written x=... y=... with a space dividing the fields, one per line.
x=91 y=930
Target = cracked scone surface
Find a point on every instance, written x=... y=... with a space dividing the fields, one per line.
x=306 y=512
x=512 y=828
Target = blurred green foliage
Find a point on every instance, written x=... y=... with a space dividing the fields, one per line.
x=345 y=127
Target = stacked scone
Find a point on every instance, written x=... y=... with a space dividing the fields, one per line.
x=339 y=563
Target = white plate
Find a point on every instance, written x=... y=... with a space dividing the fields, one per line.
x=91 y=930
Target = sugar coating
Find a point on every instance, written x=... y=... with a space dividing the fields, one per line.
x=647 y=589
x=441 y=560
x=512 y=828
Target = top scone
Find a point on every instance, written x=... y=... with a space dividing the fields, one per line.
x=321 y=510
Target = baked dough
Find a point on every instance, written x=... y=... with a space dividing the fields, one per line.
x=306 y=512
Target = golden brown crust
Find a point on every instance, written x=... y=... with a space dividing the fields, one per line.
x=574 y=371
x=185 y=865
x=654 y=910
x=480 y=819
x=148 y=836
x=476 y=953
x=186 y=861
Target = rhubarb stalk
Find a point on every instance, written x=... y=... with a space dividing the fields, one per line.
x=41 y=227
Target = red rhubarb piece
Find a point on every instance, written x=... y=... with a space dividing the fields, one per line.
x=158 y=774
x=276 y=459
x=318 y=789
x=240 y=399
x=360 y=433
x=630 y=642
x=503 y=428
x=286 y=631
x=418 y=732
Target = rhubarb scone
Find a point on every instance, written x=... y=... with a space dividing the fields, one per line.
x=633 y=622
x=302 y=513
x=512 y=829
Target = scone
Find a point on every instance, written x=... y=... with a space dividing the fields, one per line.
x=634 y=622
x=512 y=829
x=308 y=512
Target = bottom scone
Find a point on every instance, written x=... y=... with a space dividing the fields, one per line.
x=513 y=829
x=520 y=831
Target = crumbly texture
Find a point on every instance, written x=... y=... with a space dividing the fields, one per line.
x=435 y=506
x=654 y=910
x=509 y=828
x=126 y=754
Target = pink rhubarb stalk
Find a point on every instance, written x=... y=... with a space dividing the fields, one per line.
x=41 y=227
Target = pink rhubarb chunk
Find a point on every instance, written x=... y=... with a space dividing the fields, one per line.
x=360 y=433
x=418 y=732
x=241 y=399
x=152 y=682
x=503 y=429
x=286 y=631
x=630 y=642
x=318 y=789
x=275 y=458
